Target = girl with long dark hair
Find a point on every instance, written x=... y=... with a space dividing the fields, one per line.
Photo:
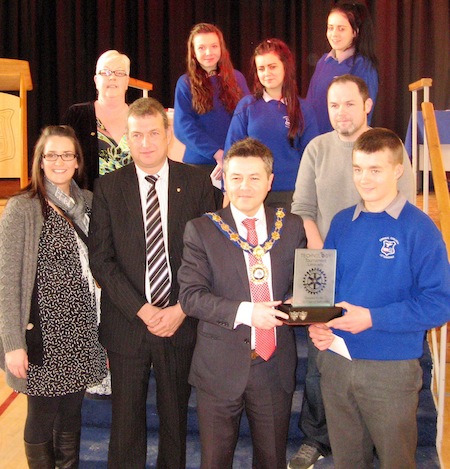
x=351 y=37
x=276 y=116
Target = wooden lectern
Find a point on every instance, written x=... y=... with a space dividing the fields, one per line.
x=14 y=76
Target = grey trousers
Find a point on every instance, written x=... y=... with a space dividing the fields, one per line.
x=371 y=404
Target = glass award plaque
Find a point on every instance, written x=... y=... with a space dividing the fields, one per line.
x=314 y=286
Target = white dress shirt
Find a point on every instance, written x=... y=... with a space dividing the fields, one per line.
x=162 y=190
x=245 y=310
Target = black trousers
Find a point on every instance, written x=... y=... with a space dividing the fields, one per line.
x=129 y=379
x=268 y=408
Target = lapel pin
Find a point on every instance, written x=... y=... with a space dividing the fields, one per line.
x=178 y=189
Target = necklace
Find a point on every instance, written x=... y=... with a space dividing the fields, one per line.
x=258 y=272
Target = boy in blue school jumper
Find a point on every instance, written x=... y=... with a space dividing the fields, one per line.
x=393 y=281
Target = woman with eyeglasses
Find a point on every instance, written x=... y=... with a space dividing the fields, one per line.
x=49 y=345
x=276 y=116
x=205 y=98
x=101 y=125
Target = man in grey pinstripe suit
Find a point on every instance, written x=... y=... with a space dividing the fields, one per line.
x=137 y=334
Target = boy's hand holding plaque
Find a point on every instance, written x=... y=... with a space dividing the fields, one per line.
x=314 y=286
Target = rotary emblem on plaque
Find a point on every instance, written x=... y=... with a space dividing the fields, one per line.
x=314 y=281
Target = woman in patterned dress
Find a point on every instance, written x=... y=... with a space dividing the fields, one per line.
x=49 y=344
x=100 y=125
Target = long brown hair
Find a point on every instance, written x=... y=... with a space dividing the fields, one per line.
x=289 y=90
x=201 y=88
x=36 y=187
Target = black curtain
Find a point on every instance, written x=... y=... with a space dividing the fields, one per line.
x=62 y=39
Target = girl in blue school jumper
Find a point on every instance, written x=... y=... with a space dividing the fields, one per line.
x=350 y=34
x=205 y=98
x=276 y=116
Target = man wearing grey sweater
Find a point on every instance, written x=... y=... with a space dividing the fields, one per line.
x=323 y=188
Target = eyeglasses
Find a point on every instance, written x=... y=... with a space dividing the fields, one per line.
x=67 y=156
x=107 y=73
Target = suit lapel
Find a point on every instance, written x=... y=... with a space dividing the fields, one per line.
x=176 y=194
x=176 y=198
x=278 y=269
x=236 y=254
x=132 y=200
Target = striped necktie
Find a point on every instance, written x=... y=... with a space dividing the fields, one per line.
x=265 y=338
x=158 y=269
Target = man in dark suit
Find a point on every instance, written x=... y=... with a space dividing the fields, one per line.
x=221 y=278
x=139 y=330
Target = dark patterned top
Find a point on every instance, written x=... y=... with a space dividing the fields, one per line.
x=73 y=358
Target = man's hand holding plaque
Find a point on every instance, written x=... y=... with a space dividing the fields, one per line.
x=314 y=284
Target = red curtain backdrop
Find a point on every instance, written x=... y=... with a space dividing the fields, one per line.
x=63 y=38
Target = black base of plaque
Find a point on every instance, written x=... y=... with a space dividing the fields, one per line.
x=304 y=315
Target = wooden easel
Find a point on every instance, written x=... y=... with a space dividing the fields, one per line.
x=14 y=76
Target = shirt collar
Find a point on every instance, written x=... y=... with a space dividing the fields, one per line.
x=266 y=96
x=393 y=209
x=344 y=56
x=239 y=217
x=163 y=173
